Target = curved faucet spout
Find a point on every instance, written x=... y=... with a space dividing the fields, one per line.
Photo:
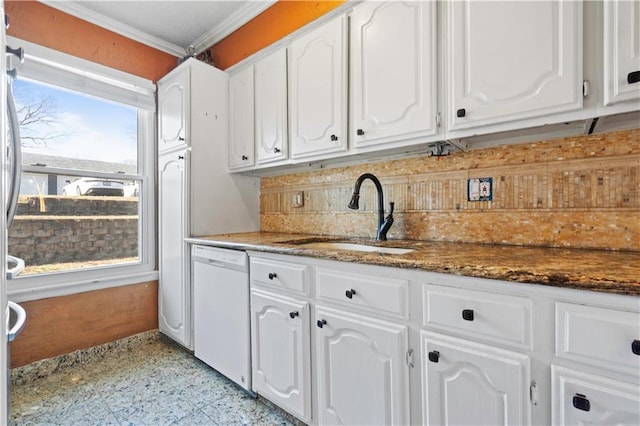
x=354 y=204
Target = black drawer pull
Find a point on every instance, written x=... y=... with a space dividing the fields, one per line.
x=276 y=150
x=360 y=132
x=294 y=314
x=245 y=158
x=272 y=275
x=633 y=77
x=434 y=356
x=467 y=314
x=635 y=347
x=321 y=323
x=350 y=293
x=180 y=138
x=581 y=402
x=334 y=138
x=461 y=113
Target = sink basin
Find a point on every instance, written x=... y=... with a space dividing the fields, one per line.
x=355 y=247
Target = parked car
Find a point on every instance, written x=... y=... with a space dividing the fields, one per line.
x=94 y=186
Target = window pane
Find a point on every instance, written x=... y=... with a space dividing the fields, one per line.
x=69 y=221
x=64 y=129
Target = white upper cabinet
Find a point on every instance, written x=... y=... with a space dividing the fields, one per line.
x=173 y=110
x=241 y=115
x=509 y=61
x=271 y=107
x=318 y=91
x=393 y=72
x=621 y=51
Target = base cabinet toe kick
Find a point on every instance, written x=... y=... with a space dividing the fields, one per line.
x=343 y=343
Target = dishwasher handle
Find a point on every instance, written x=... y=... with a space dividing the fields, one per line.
x=21 y=317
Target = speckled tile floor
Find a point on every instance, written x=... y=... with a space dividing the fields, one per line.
x=153 y=383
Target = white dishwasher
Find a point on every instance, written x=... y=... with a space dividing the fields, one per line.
x=221 y=312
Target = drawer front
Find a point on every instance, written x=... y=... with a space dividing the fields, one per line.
x=283 y=275
x=369 y=292
x=599 y=336
x=480 y=315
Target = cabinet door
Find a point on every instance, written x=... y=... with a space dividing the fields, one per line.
x=393 y=74
x=174 y=299
x=241 y=115
x=621 y=51
x=580 y=398
x=173 y=111
x=470 y=383
x=512 y=60
x=318 y=91
x=280 y=352
x=271 y=107
x=362 y=376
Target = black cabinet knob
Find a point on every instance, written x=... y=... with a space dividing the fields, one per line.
x=360 y=132
x=635 y=347
x=180 y=138
x=434 y=356
x=461 y=113
x=321 y=323
x=581 y=402
x=633 y=77
x=276 y=150
x=350 y=293
x=180 y=157
x=294 y=314
x=334 y=138
x=272 y=275
x=467 y=314
x=245 y=158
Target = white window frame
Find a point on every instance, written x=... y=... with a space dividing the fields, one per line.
x=59 y=69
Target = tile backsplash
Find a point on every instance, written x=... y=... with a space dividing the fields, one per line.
x=581 y=192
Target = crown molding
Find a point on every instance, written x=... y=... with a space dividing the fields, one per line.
x=250 y=10
x=79 y=11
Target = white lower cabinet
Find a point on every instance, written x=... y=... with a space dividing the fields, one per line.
x=471 y=383
x=361 y=373
x=580 y=398
x=280 y=351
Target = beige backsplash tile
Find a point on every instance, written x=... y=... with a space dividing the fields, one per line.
x=569 y=192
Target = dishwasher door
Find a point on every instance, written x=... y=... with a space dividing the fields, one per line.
x=221 y=312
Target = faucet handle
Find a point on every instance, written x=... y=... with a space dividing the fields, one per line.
x=391 y=206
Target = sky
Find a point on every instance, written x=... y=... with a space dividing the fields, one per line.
x=85 y=127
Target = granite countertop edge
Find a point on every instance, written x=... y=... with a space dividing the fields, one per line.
x=594 y=270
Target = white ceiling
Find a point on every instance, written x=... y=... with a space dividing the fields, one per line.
x=172 y=26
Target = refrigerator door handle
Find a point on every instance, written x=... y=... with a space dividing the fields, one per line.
x=16 y=150
x=21 y=317
x=16 y=270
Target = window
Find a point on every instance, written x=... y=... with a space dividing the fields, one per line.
x=85 y=212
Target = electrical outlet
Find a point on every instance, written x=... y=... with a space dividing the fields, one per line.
x=298 y=199
x=480 y=189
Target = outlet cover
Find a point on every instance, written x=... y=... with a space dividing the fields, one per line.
x=298 y=199
x=480 y=189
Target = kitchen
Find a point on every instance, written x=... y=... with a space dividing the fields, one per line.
x=566 y=189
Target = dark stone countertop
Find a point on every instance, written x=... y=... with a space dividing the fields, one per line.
x=594 y=270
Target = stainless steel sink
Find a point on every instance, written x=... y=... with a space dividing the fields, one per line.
x=355 y=247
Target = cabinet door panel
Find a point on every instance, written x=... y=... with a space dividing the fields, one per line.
x=173 y=291
x=513 y=60
x=362 y=376
x=621 y=50
x=271 y=107
x=469 y=383
x=280 y=351
x=241 y=119
x=318 y=91
x=393 y=72
x=602 y=401
x=173 y=111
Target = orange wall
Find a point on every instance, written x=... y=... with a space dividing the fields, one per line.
x=40 y=24
x=278 y=21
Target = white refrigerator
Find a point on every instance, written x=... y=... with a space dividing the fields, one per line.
x=10 y=165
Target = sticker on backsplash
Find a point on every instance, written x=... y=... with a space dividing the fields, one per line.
x=480 y=189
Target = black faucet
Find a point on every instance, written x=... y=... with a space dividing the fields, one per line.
x=384 y=224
